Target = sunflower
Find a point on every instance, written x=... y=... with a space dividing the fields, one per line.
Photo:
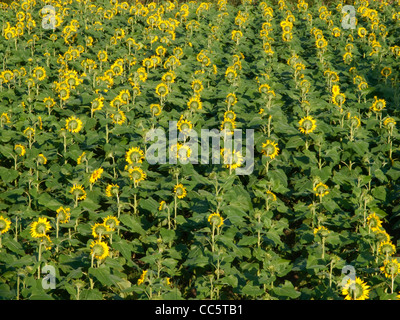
x=356 y=290
x=155 y=109
x=81 y=158
x=99 y=230
x=233 y=159
x=389 y=122
x=339 y=99
x=180 y=191
x=96 y=174
x=102 y=56
x=137 y=174
x=230 y=115
x=162 y=90
x=270 y=196
x=270 y=149
x=378 y=105
x=99 y=249
x=307 y=125
x=29 y=132
x=162 y=205
x=63 y=214
x=111 y=222
x=73 y=124
x=184 y=126
x=322 y=231
x=112 y=190
x=5 y=224
x=142 y=277
x=197 y=86
x=387 y=248
x=134 y=155
x=215 y=220
x=118 y=117
x=78 y=192
x=386 y=72
x=390 y=268
x=321 y=189
x=4 y=118
x=195 y=103
x=374 y=222
x=231 y=99
x=49 y=102
x=228 y=125
x=40 y=227
x=39 y=73
x=97 y=104
x=20 y=150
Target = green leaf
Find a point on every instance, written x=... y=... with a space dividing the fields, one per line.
x=132 y=224
x=286 y=290
x=102 y=274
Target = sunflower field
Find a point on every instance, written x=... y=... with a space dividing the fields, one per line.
x=85 y=216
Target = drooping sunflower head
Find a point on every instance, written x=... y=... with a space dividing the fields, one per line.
x=99 y=250
x=180 y=191
x=4 y=118
x=356 y=290
x=40 y=227
x=374 y=222
x=321 y=189
x=390 y=268
x=184 y=125
x=194 y=103
x=112 y=190
x=100 y=230
x=230 y=115
x=73 y=124
x=307 y=125
x=389 y=123
x=118 y=117
x=78 y=192
x=96 y=174
x=197 y=86
x=5 y=224
x=386 y=71
x=215 y=220
x=20 y=150
x=63 y=214
x=387 y=248
x=270 y=149
x=137 y=174
x=322 y=231
x=228 y=125
x=339 y=99
x=270 y=196
x=142 y=278
x=112 y=222
x=231 y=99
x=162 y=90
x=378 y=105
x=134 y=155
x=155 y=109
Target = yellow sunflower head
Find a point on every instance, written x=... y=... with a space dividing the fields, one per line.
x=356 y=290
x=180 y=191
x=307 y=125
x=40 y=227
x=270 y=149
x=73 y=124
x=99 y=249
x=215 y=220
x=5 y=224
